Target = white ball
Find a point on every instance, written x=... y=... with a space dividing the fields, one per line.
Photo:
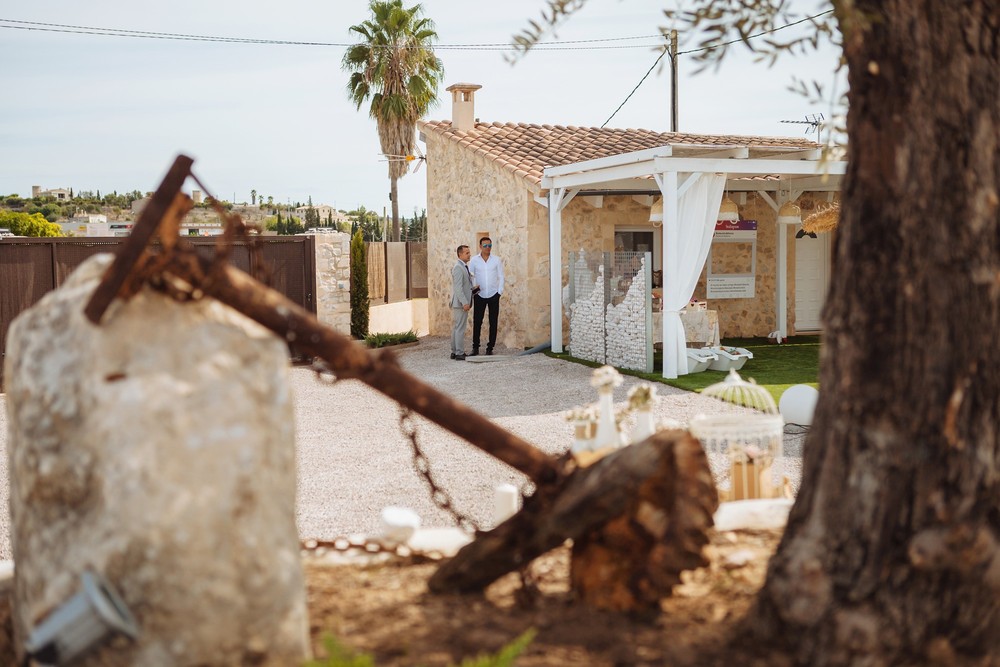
x=797 y=404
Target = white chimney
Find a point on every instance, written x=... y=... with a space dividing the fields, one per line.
x=463 y=105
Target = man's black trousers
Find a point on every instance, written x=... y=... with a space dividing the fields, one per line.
x=479 y=306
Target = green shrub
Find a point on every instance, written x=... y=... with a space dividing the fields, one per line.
x=29 y=224
x=384 y=339
x=359 y=286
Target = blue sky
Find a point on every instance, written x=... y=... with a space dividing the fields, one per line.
x=106 y=113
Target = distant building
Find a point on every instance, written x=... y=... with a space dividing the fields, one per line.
x=202 y=227
x=324 y=210
x=58 y=193
x=92 y=224
x=88 y=218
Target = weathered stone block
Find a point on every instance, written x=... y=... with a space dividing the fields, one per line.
x=158 y=450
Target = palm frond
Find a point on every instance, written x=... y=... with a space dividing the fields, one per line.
x=395 y=68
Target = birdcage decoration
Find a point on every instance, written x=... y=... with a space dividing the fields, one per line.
x=743 y=444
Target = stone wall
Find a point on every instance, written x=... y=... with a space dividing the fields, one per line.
x=333 y=280
x=758 y=316
x=398 y=317
x=467 y=196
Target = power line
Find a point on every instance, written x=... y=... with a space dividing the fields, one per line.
x=629 y=96
x=145 y=34
x=707 y=48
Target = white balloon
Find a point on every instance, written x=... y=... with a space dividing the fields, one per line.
x=798 y=403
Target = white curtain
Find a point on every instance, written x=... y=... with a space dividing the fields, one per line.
x=697 y=211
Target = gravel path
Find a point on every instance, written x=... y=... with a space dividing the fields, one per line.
x=353 y=460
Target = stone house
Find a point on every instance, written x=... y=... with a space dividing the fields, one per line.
x=496 y=179
x=59 y=194
x=323 y=210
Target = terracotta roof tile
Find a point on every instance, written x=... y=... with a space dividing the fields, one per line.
x=527 y=149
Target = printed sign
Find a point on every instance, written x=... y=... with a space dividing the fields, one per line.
x=730 y=287
x=739 y=230
x=733 y=285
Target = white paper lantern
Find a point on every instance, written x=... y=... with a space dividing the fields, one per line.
x=798 y=403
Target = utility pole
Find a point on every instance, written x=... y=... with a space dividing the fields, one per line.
x=673 y=80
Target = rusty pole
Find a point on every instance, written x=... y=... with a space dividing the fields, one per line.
x=346 y=358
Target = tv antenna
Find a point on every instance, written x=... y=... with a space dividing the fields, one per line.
x=813 y=122
x=417 y=157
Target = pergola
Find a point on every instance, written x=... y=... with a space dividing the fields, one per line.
x=691 y=179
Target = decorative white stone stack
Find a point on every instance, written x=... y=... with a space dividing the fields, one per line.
x=626 y=326
x=586 y=323
x=157 y=450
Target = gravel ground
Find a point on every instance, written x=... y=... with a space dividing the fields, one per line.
x=353 y=460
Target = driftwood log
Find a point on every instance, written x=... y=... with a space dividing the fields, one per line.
x=637 y=517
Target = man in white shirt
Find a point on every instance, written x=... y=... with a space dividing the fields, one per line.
x=487 y=270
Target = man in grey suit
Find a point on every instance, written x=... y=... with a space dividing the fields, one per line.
x=461 y=301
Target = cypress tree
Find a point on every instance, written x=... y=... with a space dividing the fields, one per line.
x=359 y=286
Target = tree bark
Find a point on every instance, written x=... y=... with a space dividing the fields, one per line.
x=890 y=555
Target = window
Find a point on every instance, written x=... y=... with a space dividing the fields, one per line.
x=640 y=239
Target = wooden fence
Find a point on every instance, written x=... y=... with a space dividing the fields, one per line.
x=30 y=267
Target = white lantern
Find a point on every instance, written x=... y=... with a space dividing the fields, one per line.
x=790 y=213
x=729 y=211
x=750 y=440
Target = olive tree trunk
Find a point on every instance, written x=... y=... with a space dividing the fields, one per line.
x=890 y=555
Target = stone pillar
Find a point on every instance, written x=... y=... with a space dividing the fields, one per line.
x=333 y=280
x=157 y=450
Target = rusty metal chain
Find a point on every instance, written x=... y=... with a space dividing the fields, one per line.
x=323 y=372
x=369 y=547
x=421 y=464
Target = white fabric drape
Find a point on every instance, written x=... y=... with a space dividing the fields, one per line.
x=697 y=211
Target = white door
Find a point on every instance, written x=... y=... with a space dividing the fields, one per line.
x=812 y=277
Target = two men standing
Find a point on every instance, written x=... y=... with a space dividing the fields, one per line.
x=488 y=273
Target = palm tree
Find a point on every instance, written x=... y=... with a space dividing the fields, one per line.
x=394 y=65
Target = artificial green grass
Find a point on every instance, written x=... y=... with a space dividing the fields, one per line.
x=774 y=367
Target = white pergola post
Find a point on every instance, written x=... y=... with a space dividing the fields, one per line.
x=781 y=283
x=556 y=201
x=671 y=235
x=555 y=269
x=781 y=270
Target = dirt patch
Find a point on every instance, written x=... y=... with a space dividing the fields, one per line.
x=385 y=610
